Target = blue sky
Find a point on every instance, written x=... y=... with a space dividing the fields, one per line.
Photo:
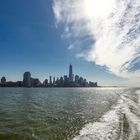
x=31 y=39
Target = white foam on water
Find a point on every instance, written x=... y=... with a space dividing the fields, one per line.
x=122 y=122
x=138 y=93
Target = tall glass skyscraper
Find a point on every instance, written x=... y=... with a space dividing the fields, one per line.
x=70 y=73
x=27 y=79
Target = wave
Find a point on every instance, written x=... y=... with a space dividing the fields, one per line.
x=122 y=122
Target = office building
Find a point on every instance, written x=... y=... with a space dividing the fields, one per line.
x=27 y=79
x=50 y=81
x=3 y=80
x=70 y=73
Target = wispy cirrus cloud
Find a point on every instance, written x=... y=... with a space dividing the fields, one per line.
x=114 y=27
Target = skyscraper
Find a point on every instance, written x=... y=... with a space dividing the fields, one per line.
x=50 y=81
x=3 y=81
x=45 y=83
x=27 y=79
x=76 y=79
x=70 y=73
x=54 y=80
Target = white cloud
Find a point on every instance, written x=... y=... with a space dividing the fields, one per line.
x=113 y=24
x=71 y=46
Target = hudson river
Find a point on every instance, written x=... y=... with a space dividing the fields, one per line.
x=69 y=114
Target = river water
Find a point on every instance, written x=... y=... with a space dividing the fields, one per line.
x=69 y=114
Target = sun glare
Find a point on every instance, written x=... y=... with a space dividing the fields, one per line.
x=98 y=8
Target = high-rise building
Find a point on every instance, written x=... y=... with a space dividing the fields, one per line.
x=70 y=73
x=27 y=79
x=65 y=78
x=61 y=80
x=3 y=80
x=35 y=82
x=54 y=80
x=45 y=83
x=76 y=79
x=50 y=81
x=81 y=80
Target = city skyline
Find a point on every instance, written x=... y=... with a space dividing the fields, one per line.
x=69 y=80
x=38 y=36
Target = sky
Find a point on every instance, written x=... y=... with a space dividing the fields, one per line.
x=99 y=38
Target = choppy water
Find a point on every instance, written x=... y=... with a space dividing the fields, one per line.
x=69 y=113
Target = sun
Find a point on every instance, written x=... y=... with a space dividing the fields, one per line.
x=98 y=8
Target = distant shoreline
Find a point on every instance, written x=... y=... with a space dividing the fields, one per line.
x=72 y=87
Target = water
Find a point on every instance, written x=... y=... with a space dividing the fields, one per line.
x=69 y=114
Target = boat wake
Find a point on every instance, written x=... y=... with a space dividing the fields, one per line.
x=122 y=122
